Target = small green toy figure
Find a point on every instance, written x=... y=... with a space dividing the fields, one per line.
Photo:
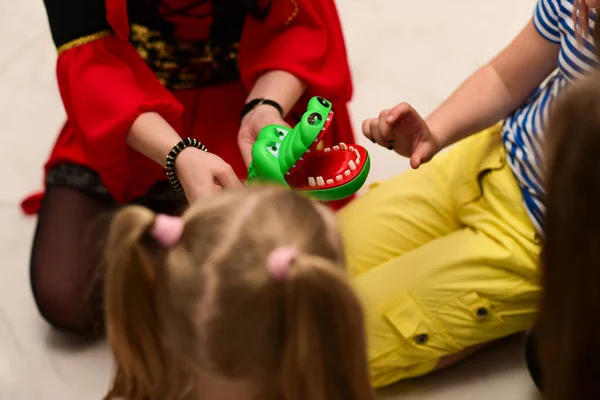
x=290 y=157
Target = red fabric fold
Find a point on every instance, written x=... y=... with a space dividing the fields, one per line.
x=116 y=15
x=311 y=47
x=105 y=86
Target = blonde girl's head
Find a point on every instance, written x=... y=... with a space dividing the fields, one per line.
x=244 y=297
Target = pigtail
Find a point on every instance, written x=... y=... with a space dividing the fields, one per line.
x=131 y=318
x=325 y=355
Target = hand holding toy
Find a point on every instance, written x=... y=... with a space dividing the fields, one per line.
x=289 y=157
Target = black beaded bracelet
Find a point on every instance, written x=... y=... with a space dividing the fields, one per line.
x=170 y=164
x=251 y=105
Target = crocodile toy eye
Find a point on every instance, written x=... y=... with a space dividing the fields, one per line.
x=274 y=149
x=281 y=133
x=314 y=118
x=323 y=102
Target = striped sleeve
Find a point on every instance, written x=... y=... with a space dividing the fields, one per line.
x=546 y=19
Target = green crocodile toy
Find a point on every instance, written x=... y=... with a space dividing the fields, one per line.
x=291 y=158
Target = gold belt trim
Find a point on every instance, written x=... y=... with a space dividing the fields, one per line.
x=294 y=13
x=83 y=40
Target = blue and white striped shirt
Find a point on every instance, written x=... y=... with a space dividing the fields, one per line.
x=523 y=130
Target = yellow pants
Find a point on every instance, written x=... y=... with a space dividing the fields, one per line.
x=443 y=258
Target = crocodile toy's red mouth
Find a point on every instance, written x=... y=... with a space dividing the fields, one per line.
x=314 y=146
x=326 y=168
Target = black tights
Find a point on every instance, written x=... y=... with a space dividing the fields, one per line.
x=66 y=259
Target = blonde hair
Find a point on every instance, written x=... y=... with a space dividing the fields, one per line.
x=208 y=303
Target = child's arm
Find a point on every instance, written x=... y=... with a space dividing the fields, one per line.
x=486 y=97
x=497 y=89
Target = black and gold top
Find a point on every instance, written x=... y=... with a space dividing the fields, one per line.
x=186 y=43
x=181 y=63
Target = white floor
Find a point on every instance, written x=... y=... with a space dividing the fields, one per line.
x=401 y=50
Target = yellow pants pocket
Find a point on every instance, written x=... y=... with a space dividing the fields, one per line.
x=419 y=336
x=410 y=342
x=471 y=319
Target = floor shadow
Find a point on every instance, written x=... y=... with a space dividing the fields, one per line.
x=65 y=342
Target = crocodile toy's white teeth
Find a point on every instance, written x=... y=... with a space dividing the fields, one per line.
x=357 y=154
x=339 y=177
x=320 y=181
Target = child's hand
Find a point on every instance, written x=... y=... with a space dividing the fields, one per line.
x=403 y=130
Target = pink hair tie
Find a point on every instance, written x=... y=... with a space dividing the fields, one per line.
x=279 y=261
x=167 y=230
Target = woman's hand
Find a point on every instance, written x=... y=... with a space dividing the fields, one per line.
x=402 y=129
x=251 y=125
x=279 y=86
x=201 y=173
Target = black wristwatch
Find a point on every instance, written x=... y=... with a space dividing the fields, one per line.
x=251 y=105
